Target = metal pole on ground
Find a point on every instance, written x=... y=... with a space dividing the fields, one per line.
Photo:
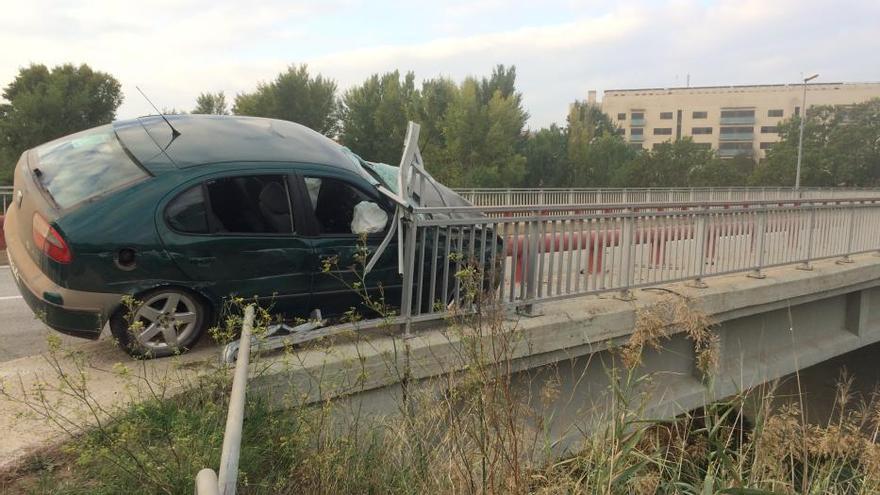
x=228 y=476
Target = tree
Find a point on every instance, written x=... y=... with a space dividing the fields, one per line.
x=721 y=172
x=669 y=164
x=295 y=96
x=841 y=148
x=211 y=103
x=484 y=135
x=43 y=104
x=547 y=158
x=587 y=124
x=374 y=116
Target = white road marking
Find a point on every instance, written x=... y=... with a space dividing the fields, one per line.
x=6 y=298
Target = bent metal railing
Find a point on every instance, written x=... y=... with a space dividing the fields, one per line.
x=562 y=196
x=528 y=255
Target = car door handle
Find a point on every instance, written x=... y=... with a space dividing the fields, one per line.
x=203 y=260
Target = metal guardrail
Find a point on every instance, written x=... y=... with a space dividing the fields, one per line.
x=6 y=195
x=207 y=482
x=562 y=196
x=526 y=255
x=552 y=252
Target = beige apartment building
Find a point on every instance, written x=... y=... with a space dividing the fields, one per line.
x=733 y=120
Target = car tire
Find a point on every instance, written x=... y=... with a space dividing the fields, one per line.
x=162 y=322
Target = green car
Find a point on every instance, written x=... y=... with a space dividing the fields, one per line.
x=184 y=213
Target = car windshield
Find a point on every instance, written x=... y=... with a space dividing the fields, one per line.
x=84 y=165
x=381 y=172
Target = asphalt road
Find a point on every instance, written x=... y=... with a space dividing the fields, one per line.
x=21 y=334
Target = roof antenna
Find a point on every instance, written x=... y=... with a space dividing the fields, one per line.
x=174 y=132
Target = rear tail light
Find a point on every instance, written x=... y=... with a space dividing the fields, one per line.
x=49 y=241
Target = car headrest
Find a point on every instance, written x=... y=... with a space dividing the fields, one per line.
x=274 y=198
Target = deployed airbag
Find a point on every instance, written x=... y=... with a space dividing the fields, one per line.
x=368 y=218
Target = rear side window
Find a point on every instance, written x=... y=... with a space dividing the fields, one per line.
x=235 y=205
x=250 y=205
x=84 y=165
x=187 y=212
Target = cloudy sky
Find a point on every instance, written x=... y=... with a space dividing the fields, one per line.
x=174 y=49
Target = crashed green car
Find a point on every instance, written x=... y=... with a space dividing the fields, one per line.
x=179 y=215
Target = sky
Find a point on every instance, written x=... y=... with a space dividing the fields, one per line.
x=176 y=49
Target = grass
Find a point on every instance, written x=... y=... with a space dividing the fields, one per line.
x=478 y=435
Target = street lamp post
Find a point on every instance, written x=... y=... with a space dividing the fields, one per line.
x=803 y=116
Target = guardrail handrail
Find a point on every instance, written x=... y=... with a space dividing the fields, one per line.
x=208 y=483
x=541 y=253
x=547 y=196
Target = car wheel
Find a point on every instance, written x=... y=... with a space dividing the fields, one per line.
x=162 y=322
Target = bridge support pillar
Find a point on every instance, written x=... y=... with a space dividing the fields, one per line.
x=857 y=307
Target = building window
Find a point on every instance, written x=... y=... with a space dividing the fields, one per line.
x=637 y=131
x=737 y=113
x=705 y=146
x=797 y=111
x=701 y=130
x=766 y=146
x=774 y=113
x=637 y=115
x=636 y=146
x=665 y=115
x=620 y=131
x=621 y=116
x=657 y=145
x=735 y=146
x=737 y=130
x=769 y=129
x=699 y=115
x=662 y=131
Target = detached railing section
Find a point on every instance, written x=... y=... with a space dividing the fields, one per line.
x=532 y=255
x=566 y=196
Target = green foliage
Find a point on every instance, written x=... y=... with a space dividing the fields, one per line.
x=374 y=116
x=546 y=160
x=43 y=104
x=296 y=96
x=211 y=103
x=667 y=165
x=841 y=148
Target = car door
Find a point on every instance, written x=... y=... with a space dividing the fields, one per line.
x=237 y=234
x=341 y=284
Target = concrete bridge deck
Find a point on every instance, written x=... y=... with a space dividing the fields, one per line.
x=768 y=328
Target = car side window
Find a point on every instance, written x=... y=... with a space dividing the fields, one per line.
x=335 y=203
x=257 y=204
x=187 y=213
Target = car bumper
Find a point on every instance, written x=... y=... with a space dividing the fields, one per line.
x=77 y=313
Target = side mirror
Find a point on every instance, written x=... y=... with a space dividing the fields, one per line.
x=368 y=218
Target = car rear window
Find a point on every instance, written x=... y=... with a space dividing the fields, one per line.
x=81 y=166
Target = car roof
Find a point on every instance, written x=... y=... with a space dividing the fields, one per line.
x=206 y=139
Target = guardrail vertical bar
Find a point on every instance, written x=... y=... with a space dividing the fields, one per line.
x=531 y=279
x=409 y=255
x=228 y=475
x=759 y=244
x=626 y=264
x=805 y=265
x=850 y=231
x=699 y=251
